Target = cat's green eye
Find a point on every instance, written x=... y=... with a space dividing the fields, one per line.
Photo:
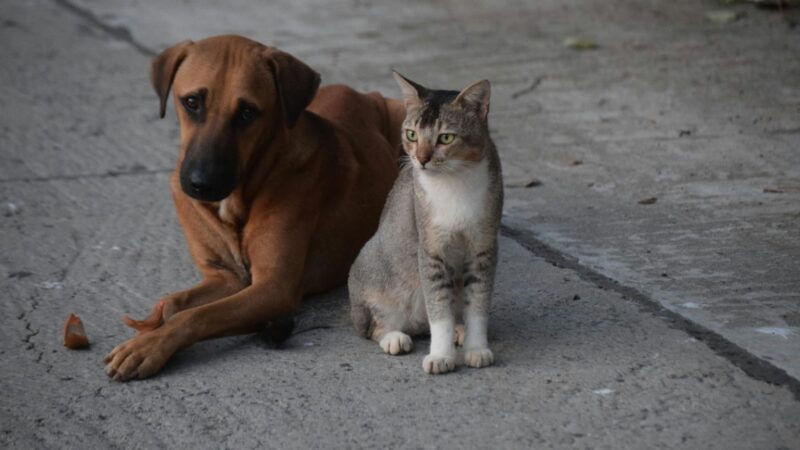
x=446 y=138
x=411 y=135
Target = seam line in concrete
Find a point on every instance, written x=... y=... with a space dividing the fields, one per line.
x=120 y=33
x=83 y=176
x=750 y=364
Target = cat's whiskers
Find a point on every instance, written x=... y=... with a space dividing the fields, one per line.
x=405 y=160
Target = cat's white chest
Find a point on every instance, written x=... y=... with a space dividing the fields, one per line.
x=457 y=201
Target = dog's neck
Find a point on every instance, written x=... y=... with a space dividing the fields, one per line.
x=282 y=155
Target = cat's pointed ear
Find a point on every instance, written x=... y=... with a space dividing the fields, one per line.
x=477 y=95
x=411 y=91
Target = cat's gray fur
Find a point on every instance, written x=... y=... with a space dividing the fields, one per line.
x=432 y=261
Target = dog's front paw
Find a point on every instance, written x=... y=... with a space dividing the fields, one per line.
x=479 y=358
x=139 y=357
x=436 y=364
x=396 y=343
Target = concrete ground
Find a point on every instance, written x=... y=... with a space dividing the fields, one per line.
x=617 y=323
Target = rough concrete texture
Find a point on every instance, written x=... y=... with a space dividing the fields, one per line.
x=702 y=116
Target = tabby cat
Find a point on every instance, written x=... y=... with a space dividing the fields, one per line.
x=430 y=266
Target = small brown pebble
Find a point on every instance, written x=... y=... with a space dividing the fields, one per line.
x=74 y=333
x=575 y=162
x=772 y=191
x=648 y=201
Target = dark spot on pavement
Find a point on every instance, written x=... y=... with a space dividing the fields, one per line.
x=792 y=319
x=648 y=201
x=20 y=274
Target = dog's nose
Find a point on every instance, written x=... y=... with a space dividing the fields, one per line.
x=199 y=182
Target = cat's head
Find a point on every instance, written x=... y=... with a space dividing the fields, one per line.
x=445 y=131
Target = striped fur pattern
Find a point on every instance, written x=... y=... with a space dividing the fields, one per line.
x=430 y=266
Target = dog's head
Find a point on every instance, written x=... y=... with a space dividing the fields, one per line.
x=231 y=95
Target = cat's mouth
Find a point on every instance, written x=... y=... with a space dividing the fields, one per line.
x=444 y=166
x=432 y=165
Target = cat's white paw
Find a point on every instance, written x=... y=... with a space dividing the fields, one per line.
x=479 y=358
x=396 y=343
x=435 y=365
x=459 y=335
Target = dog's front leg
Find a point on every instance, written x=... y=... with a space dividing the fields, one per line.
x=277 y=271
x=215 y=285
x=242 y=313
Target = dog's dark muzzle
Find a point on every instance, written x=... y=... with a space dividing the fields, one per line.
x=208 y=177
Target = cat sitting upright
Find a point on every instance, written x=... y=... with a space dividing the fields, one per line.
x=432 y=261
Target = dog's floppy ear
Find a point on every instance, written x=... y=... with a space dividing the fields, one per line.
x=296 y=83
x=163 y=70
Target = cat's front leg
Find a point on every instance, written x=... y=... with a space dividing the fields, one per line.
x=478 y=284
x=437 y=282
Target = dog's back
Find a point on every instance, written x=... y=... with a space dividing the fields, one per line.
x=351 y=110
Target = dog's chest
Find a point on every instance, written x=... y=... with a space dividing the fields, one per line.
x=457 y=201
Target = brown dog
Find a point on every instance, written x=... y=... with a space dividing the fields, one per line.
x=277 y=187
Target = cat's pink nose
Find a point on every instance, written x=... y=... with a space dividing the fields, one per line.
x=424 y=159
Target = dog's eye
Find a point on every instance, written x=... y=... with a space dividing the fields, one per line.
x=192 y=103
x=247 y=114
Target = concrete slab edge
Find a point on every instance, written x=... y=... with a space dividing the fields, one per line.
x=755 y=367
x=120 y=33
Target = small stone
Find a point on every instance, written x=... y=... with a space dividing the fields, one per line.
x=579 y=43
x=724 y=16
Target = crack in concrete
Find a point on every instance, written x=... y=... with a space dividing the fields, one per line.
x=83 y=176
x=28 y=339
x=29 y=336
x=119 y=33
x=751 y=365
x=62 y=274
x=528 y=89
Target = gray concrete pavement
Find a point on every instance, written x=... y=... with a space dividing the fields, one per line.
x=701 y=116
